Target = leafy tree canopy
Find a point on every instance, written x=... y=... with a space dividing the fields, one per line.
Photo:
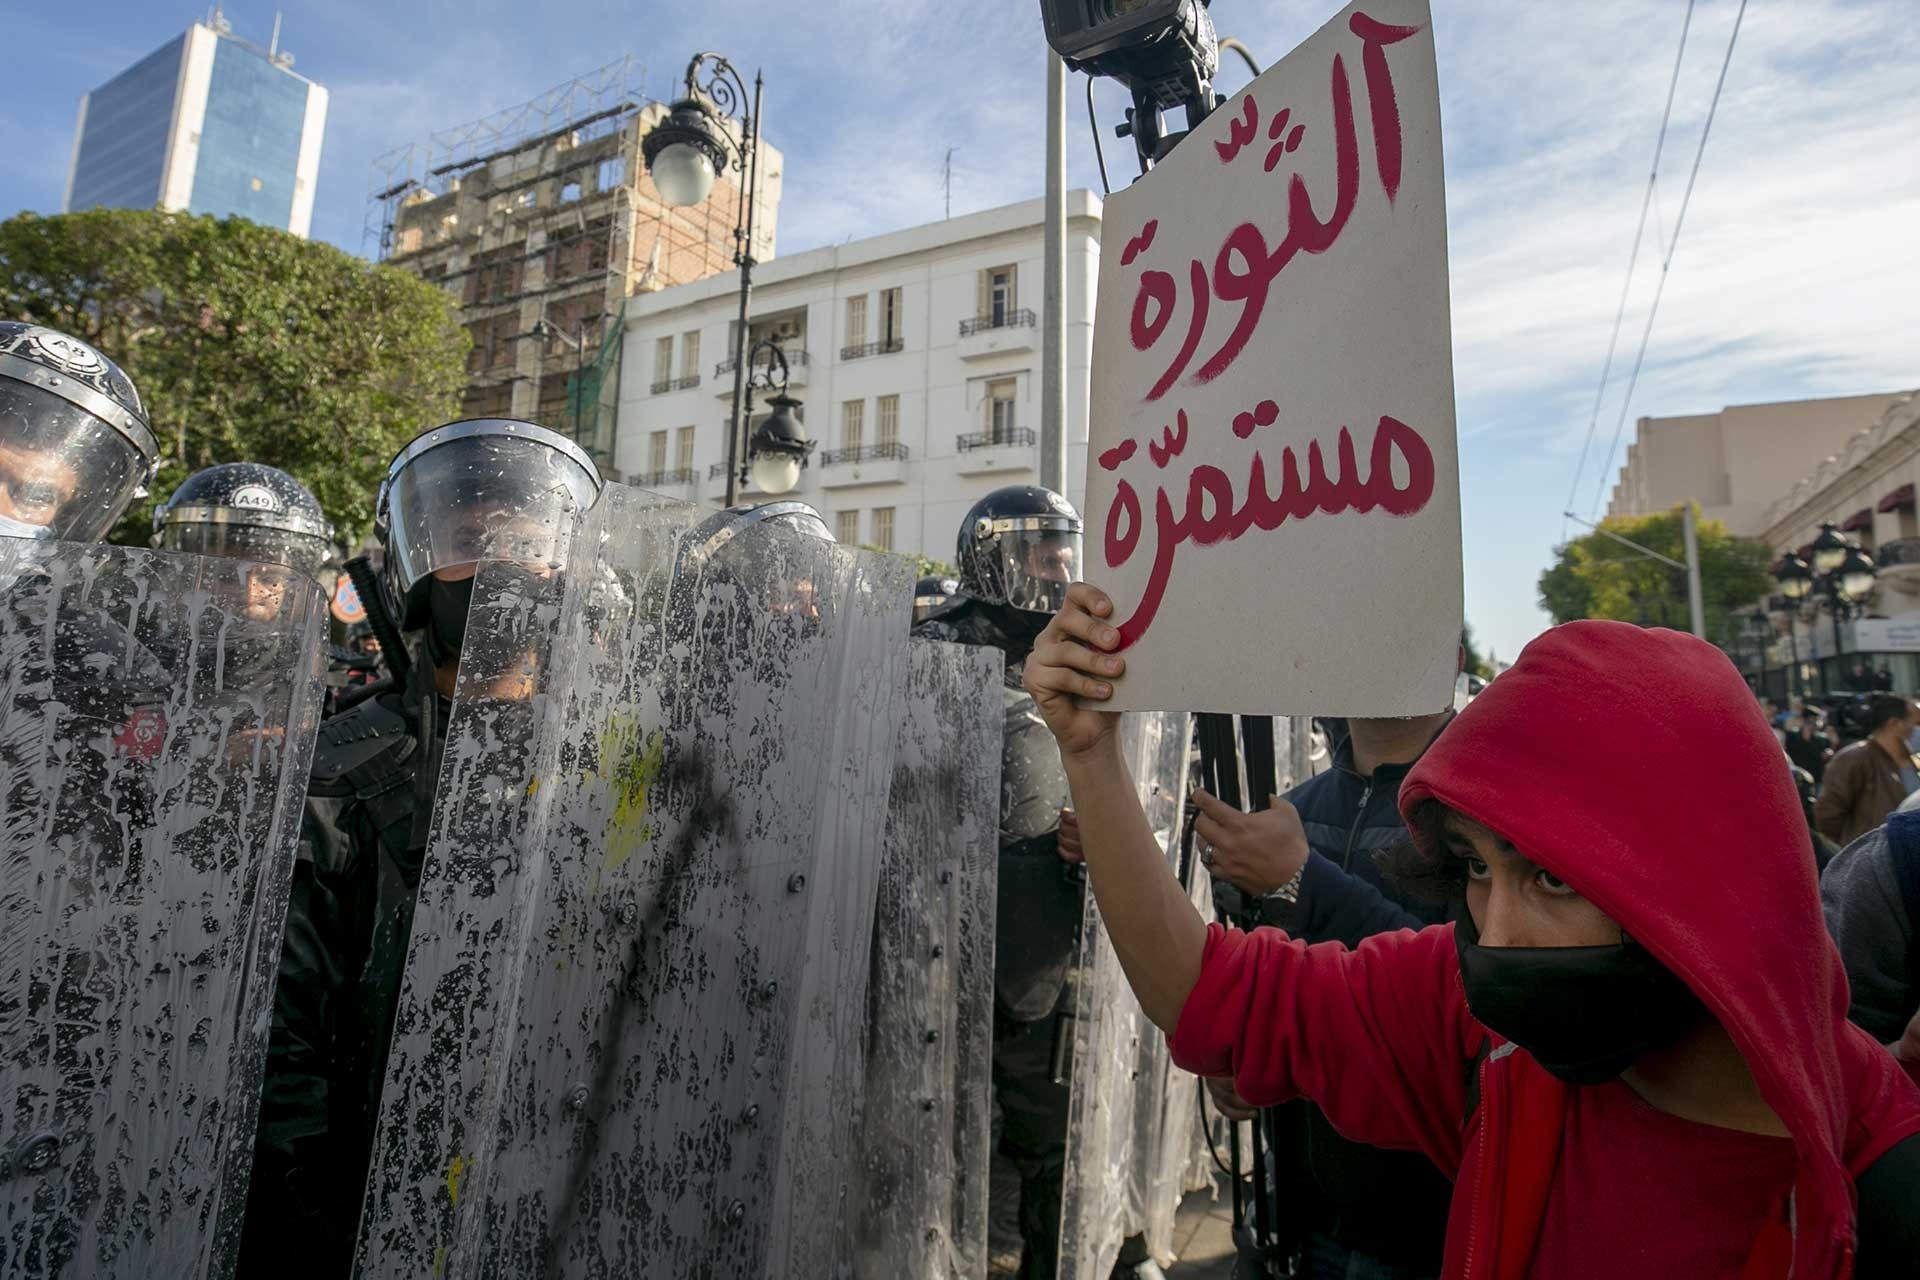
x=248 y=344
x=1593 y=576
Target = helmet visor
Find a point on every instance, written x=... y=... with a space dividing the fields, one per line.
x=1038 y=561
x=483 y=497
x=302 y=552
x=63 y=472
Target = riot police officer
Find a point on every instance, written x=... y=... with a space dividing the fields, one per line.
x=246 y=511
x=1019 y=549
x=75 y=453
x=75 y=447
x=930 y=593
x=249 y=512
x=481 y=489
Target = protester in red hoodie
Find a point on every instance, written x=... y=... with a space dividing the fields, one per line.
x=1634 y=1058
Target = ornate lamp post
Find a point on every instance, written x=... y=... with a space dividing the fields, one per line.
x=778 y=451
x=684 y=154
x=1841 y=576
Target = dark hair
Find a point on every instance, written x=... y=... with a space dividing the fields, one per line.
x=1885 y=707
x=1433 y=877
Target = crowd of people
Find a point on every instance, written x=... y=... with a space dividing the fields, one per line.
x=1613 y=972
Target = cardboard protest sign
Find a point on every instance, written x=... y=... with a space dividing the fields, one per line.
x=1273 y=482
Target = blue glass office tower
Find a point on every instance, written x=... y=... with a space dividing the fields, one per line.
x=208 y=123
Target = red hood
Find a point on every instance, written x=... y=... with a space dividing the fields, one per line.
x=1637 y=766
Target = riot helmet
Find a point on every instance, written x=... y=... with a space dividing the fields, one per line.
x=478 y=489
x=930 y=593
x=248 y=512
x=719 y=528
x=75 y=447
x=1020 y=546
x=793 y=589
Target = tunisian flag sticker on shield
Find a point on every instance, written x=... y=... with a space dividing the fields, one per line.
x=142 y=734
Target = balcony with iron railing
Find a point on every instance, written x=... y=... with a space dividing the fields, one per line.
x=1006 y=318
x=1899 y=560
x=675 y=477
x=865 y=464
x=996 y=449
x=884 y=347
x=1007 y=331
x=665 y=385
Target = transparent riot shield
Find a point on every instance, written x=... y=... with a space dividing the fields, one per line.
x=920 y=1180
x=602 y=1023
x=1130 y=1129
x=157 y=714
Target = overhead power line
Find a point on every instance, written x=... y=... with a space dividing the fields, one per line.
x=1673 y=244
x=1633 y=259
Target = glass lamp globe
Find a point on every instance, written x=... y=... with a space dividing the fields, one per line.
x=1829 y=549
x=1856 y=575
x=683 y=174
x=776 y=472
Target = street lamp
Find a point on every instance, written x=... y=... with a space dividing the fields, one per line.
x=1830 y=548
x=778 y=451
x=1840 y=577
x=684 y=154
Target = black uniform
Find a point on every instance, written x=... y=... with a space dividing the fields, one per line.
x=362 y=842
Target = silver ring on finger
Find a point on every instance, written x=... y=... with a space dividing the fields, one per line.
x=1206 y=851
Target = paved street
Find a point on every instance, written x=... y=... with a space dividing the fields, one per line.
x=1203 y=1237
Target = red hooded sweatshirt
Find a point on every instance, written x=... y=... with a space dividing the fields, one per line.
x=1636 y=766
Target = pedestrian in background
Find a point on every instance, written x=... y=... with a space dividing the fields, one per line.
x=1867 y=780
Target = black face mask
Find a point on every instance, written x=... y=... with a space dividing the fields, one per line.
x=447 y=605
x=1585 y=1013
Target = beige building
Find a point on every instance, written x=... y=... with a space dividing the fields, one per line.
x=541 y=221
x=1866 y=488
x=1739 y=462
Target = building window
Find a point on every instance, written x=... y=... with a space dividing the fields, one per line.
x=890 y=320
x=528 y=198
x=883 y=528
x=998 y=295
x=656 y=453
x=690 y=354
x=612 y=173
x=857 y=320
x=683 y=449
x=662 y=362
x=569 y=192
x=886 y=425
x=846 y=527
x=853 y=424
x=1000 y=395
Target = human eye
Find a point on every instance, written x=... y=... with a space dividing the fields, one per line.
x=1553 y=884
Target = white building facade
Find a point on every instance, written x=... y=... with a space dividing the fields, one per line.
x=916 y=355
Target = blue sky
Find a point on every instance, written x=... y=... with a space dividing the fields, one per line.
x=1798 y=272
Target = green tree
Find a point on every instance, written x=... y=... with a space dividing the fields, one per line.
x=1474 y=662
x=248 y=344
x=1593 y=576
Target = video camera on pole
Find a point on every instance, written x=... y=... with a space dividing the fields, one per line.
x=1165 y=51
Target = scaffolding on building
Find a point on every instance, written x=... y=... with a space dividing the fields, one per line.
x=540 y=222
x=589 y=106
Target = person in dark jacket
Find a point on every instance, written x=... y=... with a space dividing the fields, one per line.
x=1867 y=780
x=1870 y=895
x=1307 y=865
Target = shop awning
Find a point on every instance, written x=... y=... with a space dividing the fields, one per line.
x=1900 y=499
x=1861 y=519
